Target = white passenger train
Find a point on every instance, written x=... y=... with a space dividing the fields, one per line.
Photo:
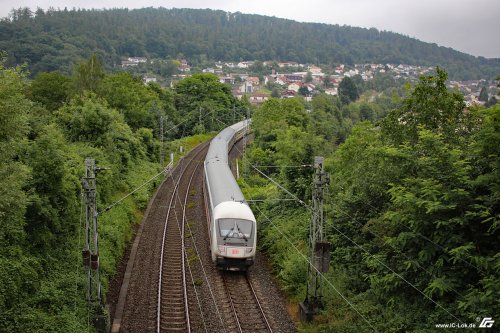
x=231 y=223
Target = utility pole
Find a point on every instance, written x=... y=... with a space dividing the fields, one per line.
x=162 y=157
x=201 y=127
x=90 y=252
x=319 y=260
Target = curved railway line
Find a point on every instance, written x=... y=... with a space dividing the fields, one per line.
x=171 y=285
x=173 y=302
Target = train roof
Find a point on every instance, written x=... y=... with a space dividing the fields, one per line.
x=228 y=209
x=222 y=185
x=218 y=146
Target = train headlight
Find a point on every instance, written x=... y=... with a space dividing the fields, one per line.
x=248 y=250
x=222 y=249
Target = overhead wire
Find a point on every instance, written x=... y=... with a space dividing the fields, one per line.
x=305 y=257
x=366 y=251
x=311 y=265
x=353 y=242
x=203 y=268
x=164 y=170
x=425 y=238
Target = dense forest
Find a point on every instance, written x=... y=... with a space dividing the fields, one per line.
x=57 y=39
x=48 y=127
x=412 y=209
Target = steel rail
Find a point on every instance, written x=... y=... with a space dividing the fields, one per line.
x=258 y=303
x=231 y=303
x=252 y=302
x=162 y=257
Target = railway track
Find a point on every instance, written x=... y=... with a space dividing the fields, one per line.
x=246 y=308
x=154 y=306
x=172 y=304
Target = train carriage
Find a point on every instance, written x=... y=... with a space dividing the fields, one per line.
x=231 y=223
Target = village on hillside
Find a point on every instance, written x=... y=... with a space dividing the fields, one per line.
x=295 y=79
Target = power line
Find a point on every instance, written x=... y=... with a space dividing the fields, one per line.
x=320 y=273
x=353 y=242
x=357 y=245
x=164 y=171
x=364 y=250
x=423 y=237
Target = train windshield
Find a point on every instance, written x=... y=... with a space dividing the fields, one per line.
x=235 y=228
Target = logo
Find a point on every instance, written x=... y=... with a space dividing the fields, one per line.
x=486 y=323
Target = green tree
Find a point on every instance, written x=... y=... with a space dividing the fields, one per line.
x=19 y=271
x=87 y=75
x=140 y=105
x=303 y=91
x=327 y=81
x=50 y=215
x=50 y=89
x=348 y=91
x=430 y=106
x=418 y=216
x=483 y=95
x=14 y=110
x=203 y=93
x=308 y=78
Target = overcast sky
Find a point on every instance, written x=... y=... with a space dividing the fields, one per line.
x=470 y=26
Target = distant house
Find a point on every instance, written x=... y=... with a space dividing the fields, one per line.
x=294 y=86
x=184 y=67
x=126 y=63
x=310 y=87
x=246 y=87
x=288 y=64
x=281 y=79
x=138 y=59
x=314 y=69
x=331 y=91
x=148 y=79
x=257 y=98
x=227 y=79
x=254 y=80
x=134 y=61
x=245 y=64
x=288 y=94
x=269 y=79
x=293 y=77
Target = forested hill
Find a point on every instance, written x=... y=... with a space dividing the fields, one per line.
x=55 y=40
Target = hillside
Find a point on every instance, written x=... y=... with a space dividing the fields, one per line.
x=55 y=40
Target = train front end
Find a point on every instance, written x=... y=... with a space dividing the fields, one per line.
x=234 y=236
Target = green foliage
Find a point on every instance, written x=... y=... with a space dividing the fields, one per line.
x=50 y=89
x=206 y=104
x=56 y=39
x=41 y=165
x=140 y=105
x=54 y=203
x=348 y=91
x=412 y=214
x=430 y=106
x=419 y=211
x=87 y=75
x=14 y=109
x=483 y=95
